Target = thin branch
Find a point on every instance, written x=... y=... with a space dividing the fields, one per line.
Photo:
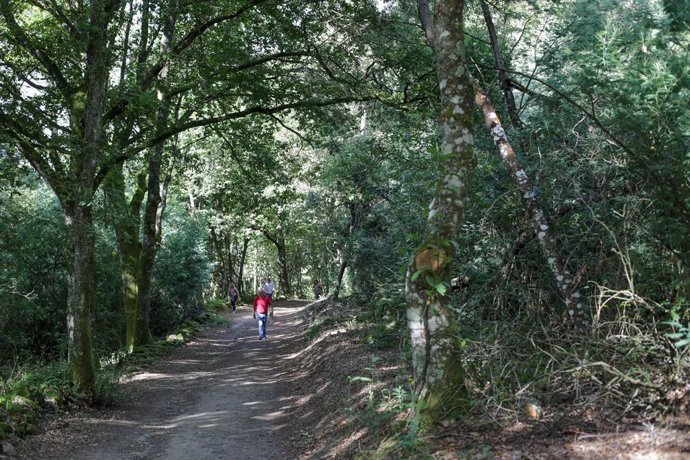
x=233 y=153
x=246 y=112
x=268 y=58
x=613 y=371
x=575 y=104
x=296 y=133
x=58 y=14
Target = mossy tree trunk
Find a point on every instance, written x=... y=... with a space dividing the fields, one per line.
x=80 y=288
x=439 y=376
x=126 y=221
x=74 y=181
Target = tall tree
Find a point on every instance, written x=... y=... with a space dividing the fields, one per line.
x=58 y=104
x=155 y=200
x=69 y=158
x=127 y=222
x=433 y=327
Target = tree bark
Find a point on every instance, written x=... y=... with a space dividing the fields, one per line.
x=221 y=274
x=500 y=68
x=439 y=377
x=283 y=264
x=126 y=222
x=240 y=271
x=565 y=281
x=339 y=280
x=87 y=126
x=278 y=239
x=80 y=293
x=153 y=211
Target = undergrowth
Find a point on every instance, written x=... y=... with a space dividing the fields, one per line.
x=627 y=369
x=378 y=399
x=616 y=367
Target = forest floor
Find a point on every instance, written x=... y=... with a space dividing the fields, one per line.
x=228 y=395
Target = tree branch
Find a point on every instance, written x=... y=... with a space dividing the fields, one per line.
x=27 y=143
x=22 y=39
x=292 y=130
x=426 y=18
x=186 y=41
x=57 y=14
x=268 y=58
x=214 y=120
x=195 y=33
x=246 y=112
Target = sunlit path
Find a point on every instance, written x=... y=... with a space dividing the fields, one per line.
x=221 y=396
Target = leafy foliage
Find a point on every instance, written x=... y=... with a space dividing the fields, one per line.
x=182 y=273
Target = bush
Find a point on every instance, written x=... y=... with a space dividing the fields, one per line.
x=182 y=272
x=30 y=390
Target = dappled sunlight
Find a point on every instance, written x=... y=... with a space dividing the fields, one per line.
x=113 y=422
x=148 y=376
x=270 y=416
x=229 y=386
x=347 y=442
x=186 y=362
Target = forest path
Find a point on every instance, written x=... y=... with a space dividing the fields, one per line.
x=224 y=395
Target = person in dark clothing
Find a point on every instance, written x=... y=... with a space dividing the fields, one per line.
x=234 y=294
x=317 y=290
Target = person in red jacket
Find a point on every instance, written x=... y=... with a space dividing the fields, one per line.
x=262 y=304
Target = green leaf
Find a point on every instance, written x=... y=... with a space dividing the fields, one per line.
x=430 y=280
x=676 y=335
x=675 y=324
x=682 y=343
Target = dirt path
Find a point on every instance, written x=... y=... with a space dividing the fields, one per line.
x=224 y=395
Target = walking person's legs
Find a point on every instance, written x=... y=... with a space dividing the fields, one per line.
x=261 y=317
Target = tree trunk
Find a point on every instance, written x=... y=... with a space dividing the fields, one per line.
x=220 y=273
x=339 y=280
x=80 y=294
x=153 y=210
x=279 y=241
x=240 y=270
x=126 y=222
x=500 y=68
x=87 y=127
x=283 y=264
x=565 y=282
x=148 y=254
x=439 y=376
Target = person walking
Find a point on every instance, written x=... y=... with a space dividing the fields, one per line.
x=234 y=294
x=262 y=305
x=317 y=290
x=269 y=288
